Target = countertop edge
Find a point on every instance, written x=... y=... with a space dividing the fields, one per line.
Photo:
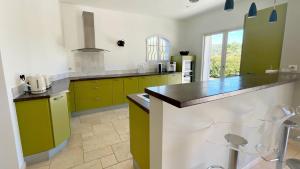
x=139 y=102
x=182 y=104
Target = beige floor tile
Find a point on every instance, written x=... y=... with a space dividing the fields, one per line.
x=97 y=142
x=125 y=136
x=67 y=158
x=82 y=128
x=123 y=165
x=96 y=164
x=108 y=161
x=74 y=141
x=122 y=151
x=122 y=126
x=91 y=119
x=97 y=154
x=103 y=129
x=40 y=165
x=75 y=121
x=108 y=116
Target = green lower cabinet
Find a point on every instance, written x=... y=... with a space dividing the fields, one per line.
x=174 y=78
x=71 y=98
x=139 y=135
x=131 y=86
x=60 y=119
x=34 y=118
x=93 y=94
x=43 y=123
x=118 y=91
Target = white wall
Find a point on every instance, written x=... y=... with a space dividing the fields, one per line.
x=214 y=21
x=111 y=26
x=291 y=50
x=31 y=42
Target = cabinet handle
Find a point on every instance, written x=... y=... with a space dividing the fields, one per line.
x=57 y=98
x=96 y=87
x=97 y=98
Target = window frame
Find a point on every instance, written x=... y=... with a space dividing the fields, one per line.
x=205 y=61
x=158 y=49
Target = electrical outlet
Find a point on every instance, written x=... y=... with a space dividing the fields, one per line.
x=293 y=68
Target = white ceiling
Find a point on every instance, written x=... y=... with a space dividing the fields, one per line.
x=176 y=9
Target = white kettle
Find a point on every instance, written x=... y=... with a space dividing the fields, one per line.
x=37 y=84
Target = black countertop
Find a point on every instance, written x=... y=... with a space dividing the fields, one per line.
x=63 y=85
x=58 y=87
x=143 y=104
x=99 y=77
x=183 y=95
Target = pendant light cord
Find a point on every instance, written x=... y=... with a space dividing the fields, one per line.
x=275 y=1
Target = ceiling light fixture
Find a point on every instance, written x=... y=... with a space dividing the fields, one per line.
x=229 y=5
x=193 y=1
x=273 y=17
x=252 y=11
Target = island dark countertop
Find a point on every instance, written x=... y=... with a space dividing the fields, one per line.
x=143 y=104
x=184 y=95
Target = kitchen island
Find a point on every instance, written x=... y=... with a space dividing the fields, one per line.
x=188 y=122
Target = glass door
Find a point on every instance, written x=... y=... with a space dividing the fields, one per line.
x=222 y=54
x=233 y=53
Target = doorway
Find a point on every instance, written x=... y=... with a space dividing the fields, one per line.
x=222 y=54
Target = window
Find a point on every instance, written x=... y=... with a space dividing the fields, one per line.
x=222 y=54
x=157 y=48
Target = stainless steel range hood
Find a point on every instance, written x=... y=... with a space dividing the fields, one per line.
x=89 y=34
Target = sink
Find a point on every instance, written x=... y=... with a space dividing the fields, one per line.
x=144 y=96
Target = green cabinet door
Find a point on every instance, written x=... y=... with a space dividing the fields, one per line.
x=105 y=96
x=71 y=97
x=161 y=80
x=35 y=126
x=139 y=135
x=118 y=91
x=144 y=82
x=174 y=78
x=60 y=118
x=131 y=86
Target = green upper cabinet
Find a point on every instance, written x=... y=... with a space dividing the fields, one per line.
x=262 y=44
x=60 y=118
x=34 y=118
x=93 y=94
x=131 y=86
x=118 y=91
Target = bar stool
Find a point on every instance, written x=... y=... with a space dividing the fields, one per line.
x=235 y=142
x=288 y=125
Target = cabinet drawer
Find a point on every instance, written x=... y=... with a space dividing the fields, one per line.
x=93 y=94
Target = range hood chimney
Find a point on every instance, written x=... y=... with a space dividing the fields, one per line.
x=89 y=34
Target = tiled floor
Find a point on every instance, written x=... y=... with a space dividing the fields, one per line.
x=98 y=141
x=101 y=140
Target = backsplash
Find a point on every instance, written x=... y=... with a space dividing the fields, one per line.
x=89 y=62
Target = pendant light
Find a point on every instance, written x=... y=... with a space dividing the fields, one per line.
x=273 y=17
x=229 y=5
x=252 y=11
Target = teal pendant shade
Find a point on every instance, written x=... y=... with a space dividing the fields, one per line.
x=252 y=11
x=229 y=5
x=273 y=17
